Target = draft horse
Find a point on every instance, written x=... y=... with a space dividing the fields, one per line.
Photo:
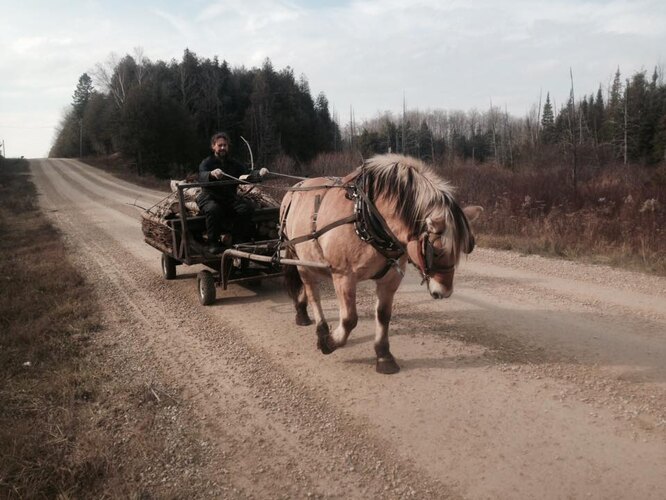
x=367 y=225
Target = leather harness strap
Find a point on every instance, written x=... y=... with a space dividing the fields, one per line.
x=369 y=224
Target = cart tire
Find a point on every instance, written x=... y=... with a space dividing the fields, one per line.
x=168 y=267
x=206 y=287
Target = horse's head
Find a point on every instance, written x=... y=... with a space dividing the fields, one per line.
x=436 y=251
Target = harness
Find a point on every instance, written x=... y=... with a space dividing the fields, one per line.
x=369 y=225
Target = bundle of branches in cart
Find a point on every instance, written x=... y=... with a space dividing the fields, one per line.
x=154 y=220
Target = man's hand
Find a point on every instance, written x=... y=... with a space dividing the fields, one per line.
x=254 y=175
x=217 y=173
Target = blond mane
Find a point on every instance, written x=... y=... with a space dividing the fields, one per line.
x=418 y=193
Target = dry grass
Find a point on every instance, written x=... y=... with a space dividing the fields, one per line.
x=75 y=419
x=116 y=165
x=609 y=219
x=616 y=216
x=536 y=210
x=46 y=320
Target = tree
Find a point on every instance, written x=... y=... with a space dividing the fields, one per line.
x=84 y=90
x=548 y=134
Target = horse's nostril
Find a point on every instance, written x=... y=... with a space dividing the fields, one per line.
x=436 y=295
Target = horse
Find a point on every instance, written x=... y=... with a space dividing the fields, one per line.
x=367 y=225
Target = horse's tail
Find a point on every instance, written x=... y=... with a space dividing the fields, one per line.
x=292 y=279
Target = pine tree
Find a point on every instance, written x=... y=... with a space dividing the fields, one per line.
x=84 y=90
x=548 y=135
x=598 y=115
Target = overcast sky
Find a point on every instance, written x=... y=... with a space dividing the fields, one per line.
x=453 y=55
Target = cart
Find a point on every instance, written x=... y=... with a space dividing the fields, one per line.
x=180 y=238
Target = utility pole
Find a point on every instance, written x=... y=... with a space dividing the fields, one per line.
x=404 y=117
x=80 y=137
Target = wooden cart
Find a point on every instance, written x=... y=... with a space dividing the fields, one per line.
x=180 y=239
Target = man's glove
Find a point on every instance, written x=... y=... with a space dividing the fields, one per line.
x=217 y=173
x=254 y=176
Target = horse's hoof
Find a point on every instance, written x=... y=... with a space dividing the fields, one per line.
x=324 y=344
x=303 y=320
x=387 y=366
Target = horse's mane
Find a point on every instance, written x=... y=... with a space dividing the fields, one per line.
x=418 y=193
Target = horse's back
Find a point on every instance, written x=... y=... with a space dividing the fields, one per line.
x=312 y=205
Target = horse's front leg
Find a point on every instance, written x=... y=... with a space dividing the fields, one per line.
x=345 y=289
x=324 y=343
x=386 y=289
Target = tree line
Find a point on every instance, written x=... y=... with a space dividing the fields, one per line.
x=160 y=116
x=625 y=123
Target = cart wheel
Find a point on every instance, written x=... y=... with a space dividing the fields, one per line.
x=206 y=287
x=168 y=267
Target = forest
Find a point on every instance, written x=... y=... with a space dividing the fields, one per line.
x=585 y=177
x=160 y=116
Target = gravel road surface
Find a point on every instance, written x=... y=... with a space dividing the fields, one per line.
x=538 y=378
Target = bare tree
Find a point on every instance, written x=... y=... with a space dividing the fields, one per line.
x=111 y=77
x=571 y=118
x=142 y=62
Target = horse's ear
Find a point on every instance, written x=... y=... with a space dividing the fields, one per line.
x=473 y=212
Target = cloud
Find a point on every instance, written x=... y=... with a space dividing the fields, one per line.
x=363 y=54
x=29 y=45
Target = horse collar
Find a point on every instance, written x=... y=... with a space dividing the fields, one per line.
x=370 y=226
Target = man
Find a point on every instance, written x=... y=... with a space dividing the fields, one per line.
x=226 y=213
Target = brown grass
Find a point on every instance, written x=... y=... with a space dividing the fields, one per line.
x=536 y=210
x=76 y=420
x=116 y=165
x=605 y=220
x=46 y=319
x=608 y=219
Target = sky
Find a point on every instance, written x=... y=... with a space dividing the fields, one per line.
x=365 y=55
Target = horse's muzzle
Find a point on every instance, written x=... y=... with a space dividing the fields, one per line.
x=441 y=294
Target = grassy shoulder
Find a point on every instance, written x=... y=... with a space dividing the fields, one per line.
x=74 y=421
x=46 y=320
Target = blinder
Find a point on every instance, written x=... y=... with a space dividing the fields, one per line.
x=427 y=255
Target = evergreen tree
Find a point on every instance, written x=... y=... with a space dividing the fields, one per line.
x=598 y=115
x=613 y=129
x=84 y=90
x=548 y=134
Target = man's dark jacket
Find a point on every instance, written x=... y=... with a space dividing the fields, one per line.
x=222 y=194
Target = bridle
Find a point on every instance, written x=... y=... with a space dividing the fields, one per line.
x=426 y=255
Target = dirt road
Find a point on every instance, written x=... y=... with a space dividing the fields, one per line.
x=536 y=379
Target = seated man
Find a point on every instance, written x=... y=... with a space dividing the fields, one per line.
x=226 y=213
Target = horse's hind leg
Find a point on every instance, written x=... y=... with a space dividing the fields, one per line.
x=386 y=289
x=345 y=289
